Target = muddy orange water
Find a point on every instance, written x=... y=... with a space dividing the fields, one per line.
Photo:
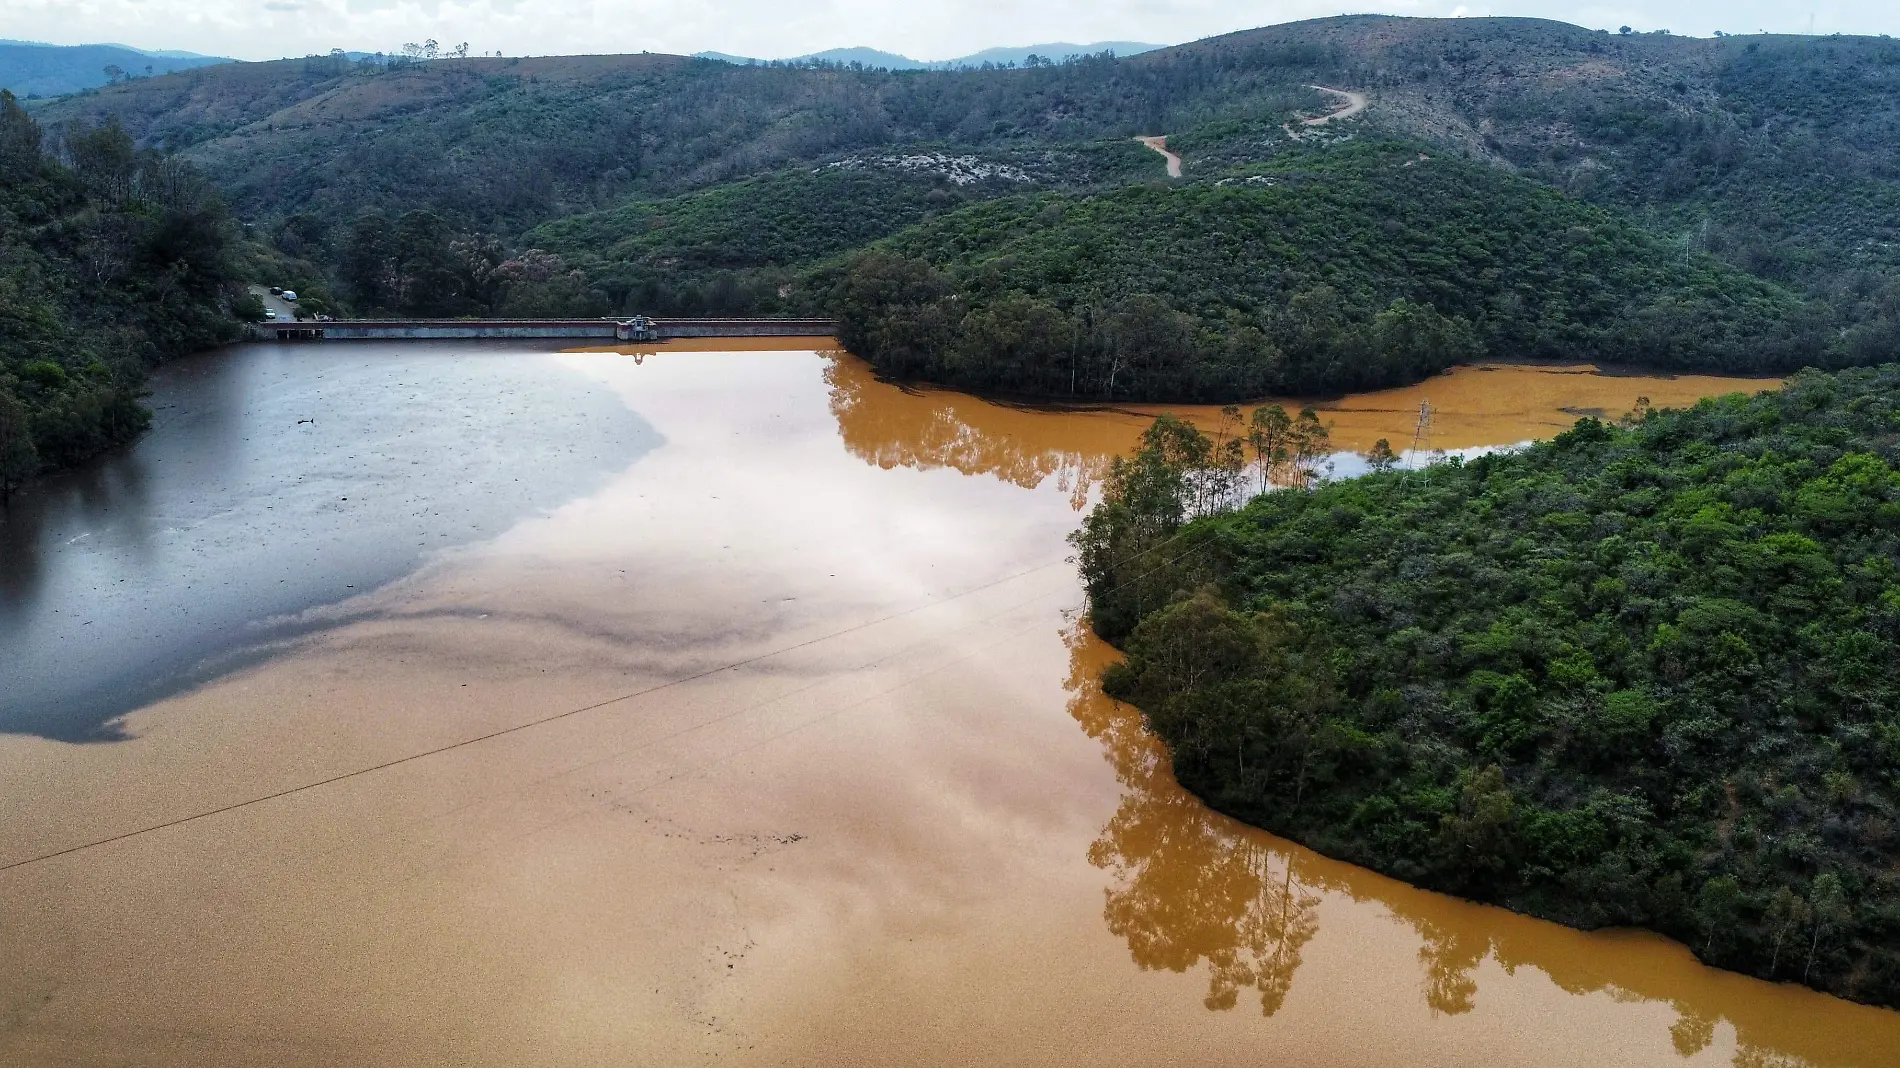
x=780 y=745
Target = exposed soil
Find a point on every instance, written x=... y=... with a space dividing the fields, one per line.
x=1160 y=144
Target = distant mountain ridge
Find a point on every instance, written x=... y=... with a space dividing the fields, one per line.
x=168 y=53
x=29 y=69
x=1000 y=57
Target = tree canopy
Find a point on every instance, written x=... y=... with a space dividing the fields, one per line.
x=109 y=263
x=1645 y=674
x=1330 y=269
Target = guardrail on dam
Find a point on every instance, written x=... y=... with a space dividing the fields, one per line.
x=637 y=328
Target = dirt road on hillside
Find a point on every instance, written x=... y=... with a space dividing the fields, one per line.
x=1160 y=144
x=1355 y=103
x=1352 y=104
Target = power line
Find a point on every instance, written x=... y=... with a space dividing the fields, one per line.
x=519 y=727
x=515 y=729
x=730 y=754
x=775 y=698
x=723 y=757
x=647 y=743
x=1421 y=442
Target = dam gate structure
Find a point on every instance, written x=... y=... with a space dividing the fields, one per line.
x=636 y=328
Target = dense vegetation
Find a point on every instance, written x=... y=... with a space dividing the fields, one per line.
x=1778 y=154
x=1775 y=155
x=733 y=248
x=107 y=265
x=1638 y=675
x=1338 y=268
x=1518 y=188
x=504 y=144
x=419 y=265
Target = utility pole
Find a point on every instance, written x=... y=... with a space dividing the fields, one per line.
x=1421 y=441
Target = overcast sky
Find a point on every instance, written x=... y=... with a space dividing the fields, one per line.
x=923 y=29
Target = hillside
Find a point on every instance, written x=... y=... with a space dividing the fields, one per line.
x=728 y=247
x=38 y=70
x=1331 y=269
x=1777 y=154
x=747 y=246
x=108 y=265
x=1515 y=188
x=1635 y=676
x=504 y=144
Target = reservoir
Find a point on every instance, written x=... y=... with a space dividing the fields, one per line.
x=700 y=706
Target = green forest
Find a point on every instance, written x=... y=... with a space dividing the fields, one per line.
x=109 y=264
x=1777 y=154
x=1518 y=189
x=1350 y=267
x=1642 y=674
x=733 y=247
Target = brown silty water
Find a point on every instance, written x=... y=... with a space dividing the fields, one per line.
x=794 y=754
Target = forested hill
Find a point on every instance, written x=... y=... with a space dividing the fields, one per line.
x=1337 y=268
x=747 y=246
x=1779 y=154
x=503 y=144
x=1643 y=675
x=1515 y=188
x=107 y=265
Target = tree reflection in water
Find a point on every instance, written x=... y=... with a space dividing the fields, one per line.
x=1189 y=890
x=1193 y=888
x=890 y=426
x=1472 y=408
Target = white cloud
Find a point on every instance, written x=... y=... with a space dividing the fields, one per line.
x=926 y=29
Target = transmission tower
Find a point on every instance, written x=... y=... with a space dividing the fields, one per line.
x=1421 y=439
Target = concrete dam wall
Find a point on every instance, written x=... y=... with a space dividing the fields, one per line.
x=638 y=328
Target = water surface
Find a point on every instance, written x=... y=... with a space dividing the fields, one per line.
x=277 y=478
x=793 y=754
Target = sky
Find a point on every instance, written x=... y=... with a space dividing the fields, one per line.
x=921 y=29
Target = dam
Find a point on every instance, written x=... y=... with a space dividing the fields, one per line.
x=634 y=328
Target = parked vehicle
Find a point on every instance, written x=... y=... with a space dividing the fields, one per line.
x=289 y=294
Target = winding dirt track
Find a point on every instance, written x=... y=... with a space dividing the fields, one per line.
x=1160 y=144
x=1355 y=103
